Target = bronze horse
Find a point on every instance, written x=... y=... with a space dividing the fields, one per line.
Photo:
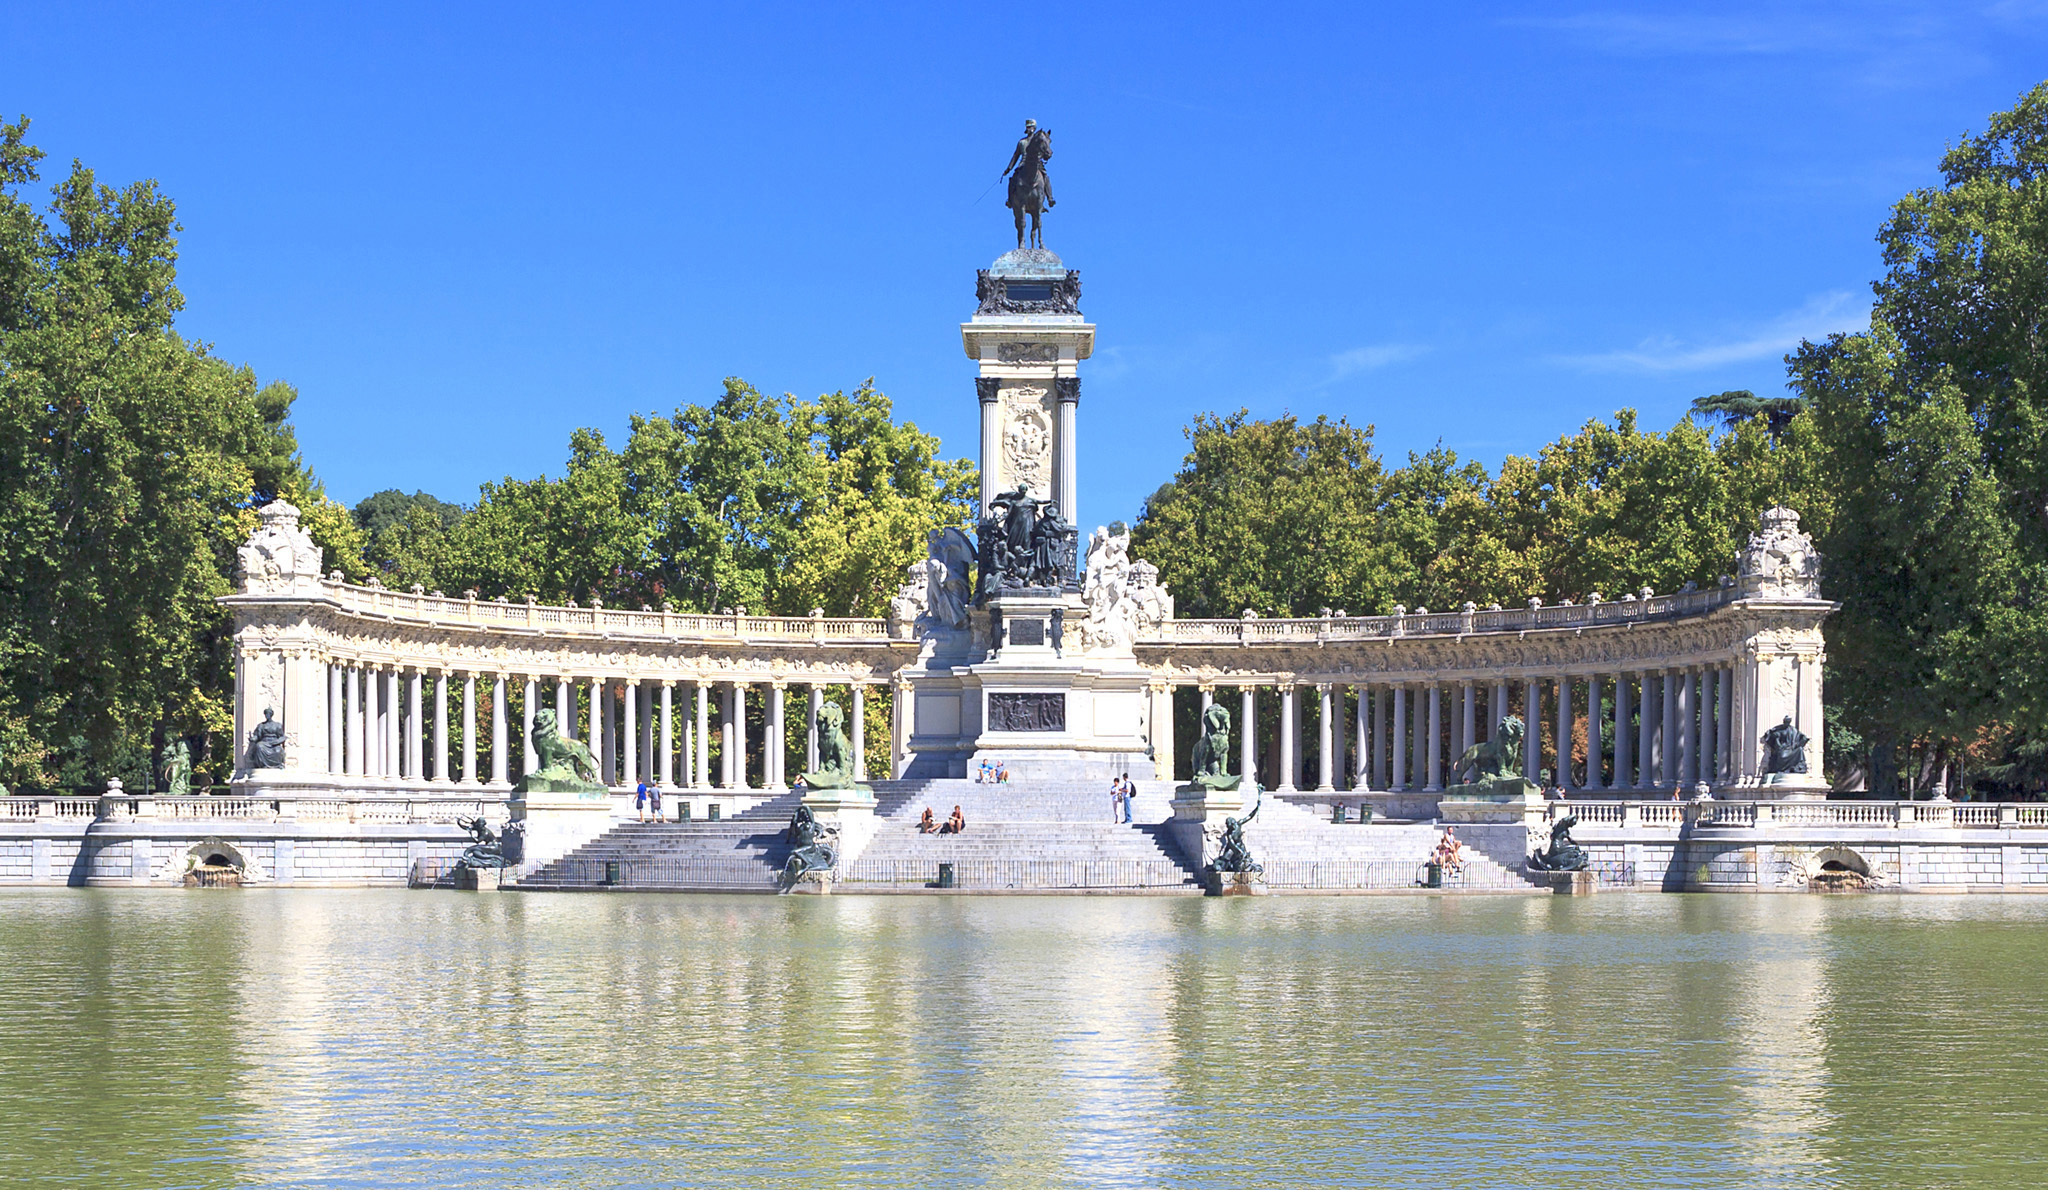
x=1030 y=188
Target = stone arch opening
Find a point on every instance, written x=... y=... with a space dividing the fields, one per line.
x=214 y=864
x=1838 y=869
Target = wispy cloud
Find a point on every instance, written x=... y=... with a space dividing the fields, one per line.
x=1819 y=317
x=1346 y=364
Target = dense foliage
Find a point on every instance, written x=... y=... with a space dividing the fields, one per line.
x=129 y=461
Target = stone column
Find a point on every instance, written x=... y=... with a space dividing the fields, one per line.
x=1400 y=740
x=1710 y=741
x=666 y=774
x=629 y=734
x=813 y=700
x=1725 y=706
x=1646 y=732
x=354 y=762
x=441 y=770
x=1362 y=733
x=1532 y=734
x=988 y=388
x=1383 y=730
x=1066 y=479
x=337 y=758
x=700 y=774
x=859 y=731
x=1688 y=729
x=499 y=752
x=529 y=759
x=1326 y=761
x=1623 y=779
x=1468 y=732
x=1248 y=736
x=594 y=737
x=775 y=743
x=1595 y=753
x=1561 y=774
x=728 y=716
x=1499 y=710
x=415 y=746
x=387 y=722
x=643 y=694
x=1287 y=739
x=469 y=729
x=1435 y=748
x=565 y=708
x=1668 y=737
x=608 y=733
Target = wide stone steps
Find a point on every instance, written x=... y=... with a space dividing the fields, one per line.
x=1036 y=836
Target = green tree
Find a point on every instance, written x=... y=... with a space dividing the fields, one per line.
x=1738 y=405
x=130 y=460
x=1275 y=516
x=775 y=505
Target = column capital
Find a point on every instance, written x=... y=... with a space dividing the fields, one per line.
x=1067 y=389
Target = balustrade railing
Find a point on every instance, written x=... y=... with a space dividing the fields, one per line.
x=388 y=811
x=443 y=609
x=1342 y=628
x=1885 y=815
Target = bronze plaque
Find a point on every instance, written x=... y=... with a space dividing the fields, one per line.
x=1027 y=712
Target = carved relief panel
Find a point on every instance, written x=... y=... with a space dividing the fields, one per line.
x=1027 y=444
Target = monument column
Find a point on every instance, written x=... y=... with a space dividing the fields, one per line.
x=1532 y=732
x=1400 y=739
x=1725 y=704
x=1710 y=742
x=1623 y=779
x=629 y=734
x=1326 y=740
x=337 y=759
x=1470 y=733
x=643 y=695
x=1595 y=752
x=1561 y=774
x=859 y=731
x=813 y=701
x=1646 y=732
x=666 y=774
x=1287 y=740
x=468 y=728
x=1436 y=734
x=1673 y=695
x=529 y=760
x=352 y=701
x=1066 y=485
x=565 y=707
x=776 y=742
x=700 y=773
x=499 y=770
x=441 y=726
x=1248 y=735
x=1362 y=729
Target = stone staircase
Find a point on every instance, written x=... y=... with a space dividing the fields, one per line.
x=1302 y=850
x=743 y=853
x=1020 y=836
x=1041 y=836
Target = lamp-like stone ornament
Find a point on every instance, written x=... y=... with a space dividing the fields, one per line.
x=279 y=558
x=1779 y=562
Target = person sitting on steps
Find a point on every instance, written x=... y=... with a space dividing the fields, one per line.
x=955 y=823
x=926 y=824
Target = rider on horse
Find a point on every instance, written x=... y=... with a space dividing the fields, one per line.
x=1032 y=152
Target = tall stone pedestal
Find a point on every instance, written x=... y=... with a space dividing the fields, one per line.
x=557 y=823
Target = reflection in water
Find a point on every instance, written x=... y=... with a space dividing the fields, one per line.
x=376 y=1038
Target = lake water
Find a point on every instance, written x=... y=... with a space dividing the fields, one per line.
x=390 y=1038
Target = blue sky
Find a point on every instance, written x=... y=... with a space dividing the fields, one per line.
x=463 y=232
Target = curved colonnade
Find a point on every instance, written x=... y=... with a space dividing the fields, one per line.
x=384 y=690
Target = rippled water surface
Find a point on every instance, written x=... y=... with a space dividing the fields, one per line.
x=389 y=1038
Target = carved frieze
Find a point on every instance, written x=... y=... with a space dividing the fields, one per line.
x=1027 y=353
